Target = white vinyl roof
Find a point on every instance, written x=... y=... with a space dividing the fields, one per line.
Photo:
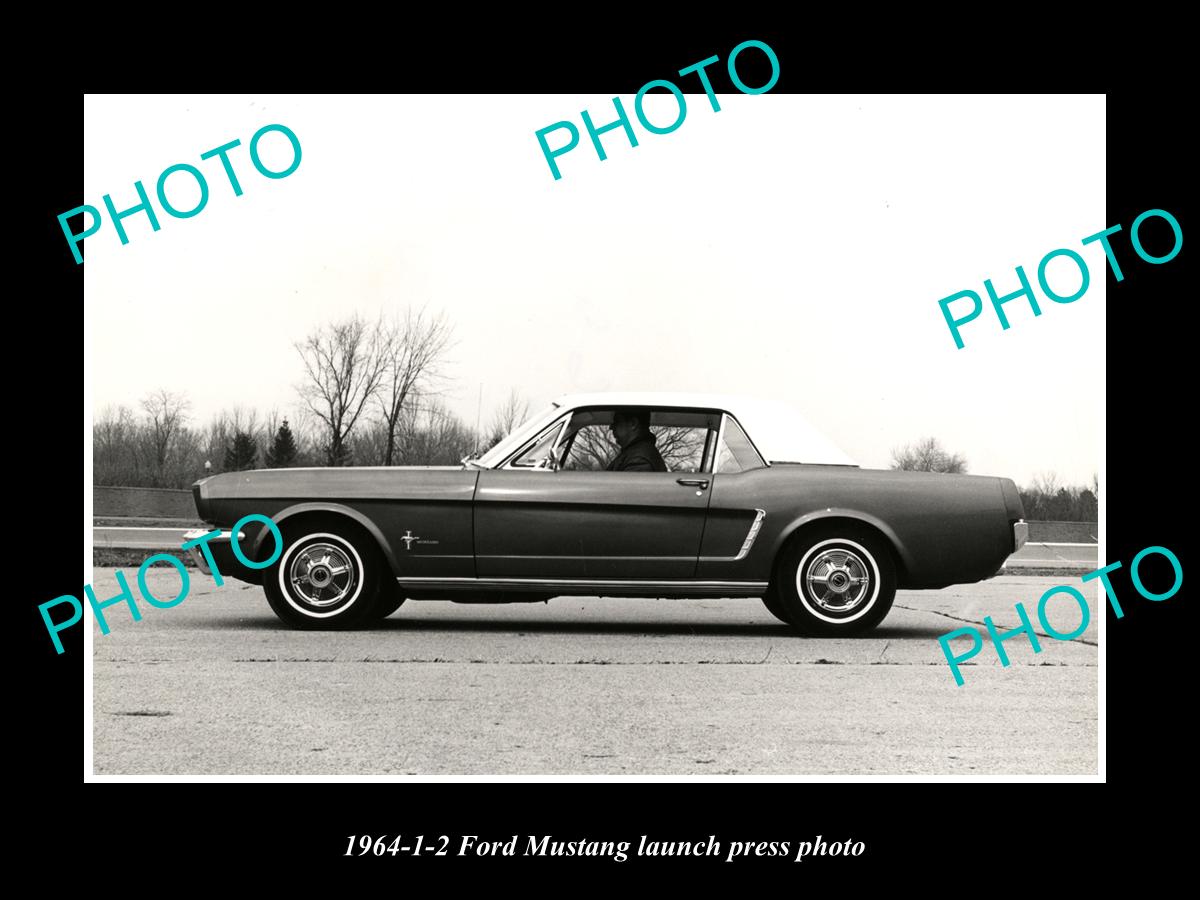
x=778 y=430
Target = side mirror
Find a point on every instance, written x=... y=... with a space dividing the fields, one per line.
x=547 y=463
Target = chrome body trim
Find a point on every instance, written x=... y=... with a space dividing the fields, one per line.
x=575 y=582
x=751 y=535
x=755 y=528
x=716 y=450
x=561 y=424
x=201 y=532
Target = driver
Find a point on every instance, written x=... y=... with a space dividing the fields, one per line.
x=631 y=428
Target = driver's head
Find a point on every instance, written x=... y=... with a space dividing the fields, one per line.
x=630 y=423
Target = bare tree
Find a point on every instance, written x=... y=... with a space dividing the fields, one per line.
x=166 y=413
x=215 y=439
x=370 y=444
x=243 y=419
x=114 y=458
x=344 y=364
x=188 y=462
x=414 y=348
x=681 y=447
x=1046 y=483
x=928 y=455
x=433 y=436
x=512 y=413
x=594 y=446
x=308 y=431
x=1049 y=500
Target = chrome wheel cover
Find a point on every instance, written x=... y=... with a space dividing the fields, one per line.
x=322 y=574
x=838 y=581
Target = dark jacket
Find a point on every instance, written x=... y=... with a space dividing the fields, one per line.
x=640 y=456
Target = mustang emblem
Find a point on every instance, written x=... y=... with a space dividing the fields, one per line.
x=408 y=538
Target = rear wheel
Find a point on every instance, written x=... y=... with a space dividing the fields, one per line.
x=840 y=581
x=775 y=606
x=328 y=576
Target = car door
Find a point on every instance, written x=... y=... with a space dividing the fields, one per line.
x=556 y=521
x=742 y=493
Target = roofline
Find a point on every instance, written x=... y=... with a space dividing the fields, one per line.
x=655 y=398
x=748 y=410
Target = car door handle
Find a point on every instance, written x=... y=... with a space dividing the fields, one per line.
x=693 y=482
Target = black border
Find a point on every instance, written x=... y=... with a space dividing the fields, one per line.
x=1145 y=650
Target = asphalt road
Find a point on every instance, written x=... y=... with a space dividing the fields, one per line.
x=586 y=686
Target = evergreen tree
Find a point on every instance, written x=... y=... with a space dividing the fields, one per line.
x=1088 y=506
x=243 y=454
x=282 y=452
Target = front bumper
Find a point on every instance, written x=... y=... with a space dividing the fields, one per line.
x=221 y=548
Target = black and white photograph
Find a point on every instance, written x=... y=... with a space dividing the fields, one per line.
x=701 y=432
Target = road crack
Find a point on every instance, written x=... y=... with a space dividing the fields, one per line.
x=1077 y=640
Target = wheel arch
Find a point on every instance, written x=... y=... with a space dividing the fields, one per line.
x=820 y=521
x=329 y=511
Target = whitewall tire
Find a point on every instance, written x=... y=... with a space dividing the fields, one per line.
x=839 y=581
x=326 y=577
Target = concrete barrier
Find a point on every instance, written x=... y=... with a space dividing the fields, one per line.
x=1064 y=532
x=151 y=503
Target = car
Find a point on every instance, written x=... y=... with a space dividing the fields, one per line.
x=753 y=502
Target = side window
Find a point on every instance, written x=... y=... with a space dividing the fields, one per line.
x=591 y=449
x=735 y=453
x=681 y=446
x=681 y=438
x=536 y=456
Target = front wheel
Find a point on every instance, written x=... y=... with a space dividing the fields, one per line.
x=325 y=578
x=838 y=582
x=391 y=598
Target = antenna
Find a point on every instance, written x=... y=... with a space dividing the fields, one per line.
x=478 y=410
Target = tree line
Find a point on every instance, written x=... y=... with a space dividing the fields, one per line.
x=1046 y=500
x=369 y=395
x=133 y=448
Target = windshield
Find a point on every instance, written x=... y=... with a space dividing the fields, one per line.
x=496 y=455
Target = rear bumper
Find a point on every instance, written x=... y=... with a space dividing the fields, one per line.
x=1020 y=534
x=221 y=548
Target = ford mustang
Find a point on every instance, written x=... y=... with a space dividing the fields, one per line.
x=737 y=498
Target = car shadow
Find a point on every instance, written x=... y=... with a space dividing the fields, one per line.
x=525 y=627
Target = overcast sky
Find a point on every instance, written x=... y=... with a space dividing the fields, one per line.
x=789 y=246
